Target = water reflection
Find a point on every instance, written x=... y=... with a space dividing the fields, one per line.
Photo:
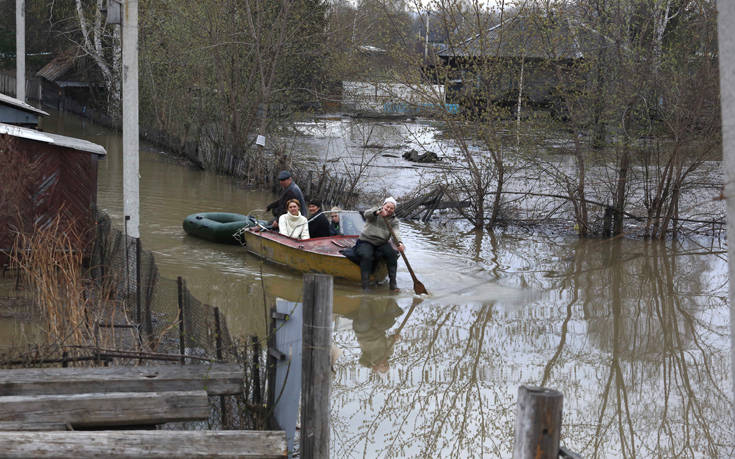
x=633 y=333
x=371 y=323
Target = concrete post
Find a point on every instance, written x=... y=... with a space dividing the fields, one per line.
x=20 y=50
x=130 y=117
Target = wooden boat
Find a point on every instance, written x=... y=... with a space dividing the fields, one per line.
x=217 y=226
x=317 y=255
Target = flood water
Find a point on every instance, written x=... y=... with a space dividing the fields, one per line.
x=635 y=334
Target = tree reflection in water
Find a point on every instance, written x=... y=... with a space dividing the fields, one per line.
x=634 y=333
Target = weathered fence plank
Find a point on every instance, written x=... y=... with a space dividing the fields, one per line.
x=144 y=443
x=216 y=379
x=109 y=409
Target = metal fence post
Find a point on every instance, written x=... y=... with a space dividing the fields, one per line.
x=182 y=346
x=257 y=398
x=138 y=293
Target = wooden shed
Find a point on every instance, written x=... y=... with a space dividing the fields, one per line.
x=43 y=175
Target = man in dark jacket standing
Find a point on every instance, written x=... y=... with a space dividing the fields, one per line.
x=318 y=223
x=290 y=191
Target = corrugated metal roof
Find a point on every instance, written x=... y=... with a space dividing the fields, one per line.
x=17 y=103
x=58 y=66
x=56 y=139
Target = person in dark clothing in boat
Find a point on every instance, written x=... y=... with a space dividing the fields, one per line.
x=290 y=191
x=334 y=225
x=318 y=223
x=374 y=242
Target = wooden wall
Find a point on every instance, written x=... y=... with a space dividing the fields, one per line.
x=37 y=182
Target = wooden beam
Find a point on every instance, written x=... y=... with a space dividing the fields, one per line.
x=216 y=379
x=144 y=443
x=109 y=409
x=25 y=425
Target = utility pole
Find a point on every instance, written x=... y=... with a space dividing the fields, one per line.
x=20 y=50
x=725 y=19
x=131 y=197
x=131 y=194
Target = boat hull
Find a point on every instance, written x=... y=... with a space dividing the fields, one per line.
x=317 y=255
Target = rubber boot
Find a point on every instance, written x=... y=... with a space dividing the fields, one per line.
x=365 y=280
x=392 y=285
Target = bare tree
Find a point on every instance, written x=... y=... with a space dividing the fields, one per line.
x=101 y=42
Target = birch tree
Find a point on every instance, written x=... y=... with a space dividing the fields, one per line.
x=101 y=42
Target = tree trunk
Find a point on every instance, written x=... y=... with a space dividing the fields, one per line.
x=580 y=192
x=498 y=160
x=623 y=168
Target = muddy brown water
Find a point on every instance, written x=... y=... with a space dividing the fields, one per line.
x=634 y=333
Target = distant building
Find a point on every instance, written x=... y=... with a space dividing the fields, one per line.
x=488 y=65
x=44 y=175
x=69 y=77
x=393 y=98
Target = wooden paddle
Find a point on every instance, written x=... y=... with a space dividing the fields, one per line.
x=418 y=287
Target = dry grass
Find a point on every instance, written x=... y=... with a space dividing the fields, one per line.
x=72 y=311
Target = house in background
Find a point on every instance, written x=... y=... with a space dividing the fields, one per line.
x=69 y=79
x=44 y=175
x=487 y=67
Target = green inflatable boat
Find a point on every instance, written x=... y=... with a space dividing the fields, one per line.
x=218 y=226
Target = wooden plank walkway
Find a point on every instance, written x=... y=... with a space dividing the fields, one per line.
x=144 y=443
x=41 y=407
x=216 y=379
x=100 y=410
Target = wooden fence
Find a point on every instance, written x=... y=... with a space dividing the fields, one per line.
x=33 y=87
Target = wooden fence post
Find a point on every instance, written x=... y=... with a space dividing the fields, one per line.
x=316 y=374
x=538 y=423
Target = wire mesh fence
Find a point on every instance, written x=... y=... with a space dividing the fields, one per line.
x=134 y=316
x=170 y=318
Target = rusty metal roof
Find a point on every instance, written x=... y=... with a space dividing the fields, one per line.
x=54 y=139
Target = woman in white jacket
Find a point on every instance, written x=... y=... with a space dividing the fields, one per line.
x=292 y=223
